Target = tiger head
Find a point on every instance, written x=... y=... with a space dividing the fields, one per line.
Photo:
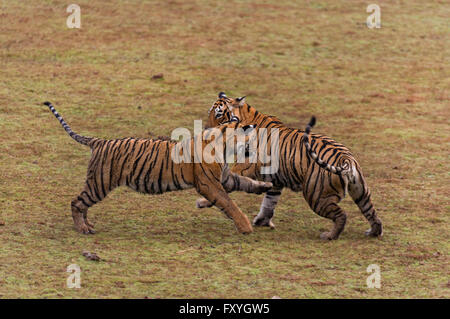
x=222 y=110
x=240 y=137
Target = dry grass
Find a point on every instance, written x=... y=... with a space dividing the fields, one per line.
x=384 y=93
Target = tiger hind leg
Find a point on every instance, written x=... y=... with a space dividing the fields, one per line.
x=327 y=207
x=339 y=217
x=80 y=206
x=79 y=211
x=360 y=193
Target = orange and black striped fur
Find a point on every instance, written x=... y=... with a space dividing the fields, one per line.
x=146 y=166
x=323 y=169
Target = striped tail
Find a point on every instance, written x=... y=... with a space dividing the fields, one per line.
x=79 y=138
x=333 y=169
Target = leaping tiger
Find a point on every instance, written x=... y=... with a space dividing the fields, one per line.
x=323 y=169
x=146 y=165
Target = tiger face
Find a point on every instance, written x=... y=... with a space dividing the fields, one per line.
x=222 y=110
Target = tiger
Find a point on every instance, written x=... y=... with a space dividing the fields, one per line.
x=323 y=169
x=147 y=166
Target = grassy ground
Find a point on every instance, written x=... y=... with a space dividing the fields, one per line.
x=383 y=92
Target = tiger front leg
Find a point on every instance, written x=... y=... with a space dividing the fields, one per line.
x=232 y=182
x=266 y=212
x=216 y=195
x=226 y=204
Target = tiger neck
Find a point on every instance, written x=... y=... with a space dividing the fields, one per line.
x=246 y=113
x=249 y=115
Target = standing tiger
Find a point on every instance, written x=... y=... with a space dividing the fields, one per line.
x=323 y=169
x=147 y=166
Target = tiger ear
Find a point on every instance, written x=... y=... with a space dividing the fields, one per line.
x=222 y=94
x=241 y=100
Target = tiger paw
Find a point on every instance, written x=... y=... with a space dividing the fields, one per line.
x=263 y=222
x=375 y=231
x=326 y=236
x=244 y=227
x=263 y=187
x=88 y=223
x=86 y=230
x=203 y=203
x=246 y=231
